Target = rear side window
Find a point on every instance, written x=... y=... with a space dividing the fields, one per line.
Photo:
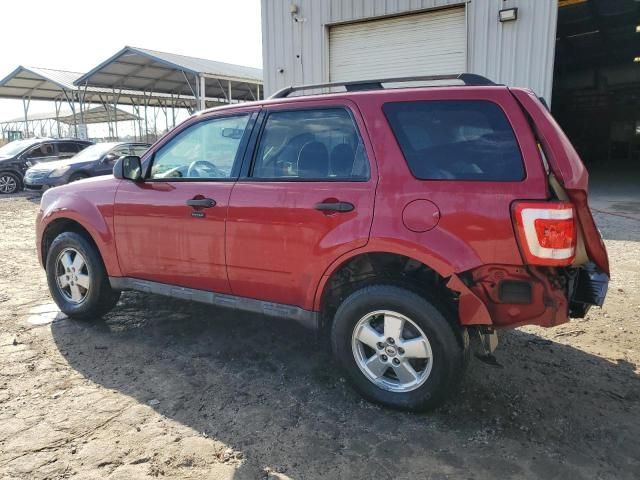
x=68 y=147
x=456 y=140
x=315 y=144
x=41 y=151
x=139 y=150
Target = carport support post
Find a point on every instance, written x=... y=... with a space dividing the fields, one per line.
x=173 y=111
x=202 y=94
x=71 y=102
x=146 y=121
x=116 y=99
x=229 y=89
x=25 y=104
x=58 y=104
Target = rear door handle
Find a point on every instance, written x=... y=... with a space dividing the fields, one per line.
x=201 y=202
x=334 y=206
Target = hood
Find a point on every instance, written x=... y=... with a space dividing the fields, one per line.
x=85 y=189
x=51 y=166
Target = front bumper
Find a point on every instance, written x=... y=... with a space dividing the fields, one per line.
x=38 y=182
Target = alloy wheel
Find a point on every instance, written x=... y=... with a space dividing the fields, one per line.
x=72 y=276
x=392 y=351
x=8 y=184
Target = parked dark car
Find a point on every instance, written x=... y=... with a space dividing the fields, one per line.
x=93 y=161
x=407 y=225
x=16 y=157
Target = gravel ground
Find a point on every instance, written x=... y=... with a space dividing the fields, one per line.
x=171 y=389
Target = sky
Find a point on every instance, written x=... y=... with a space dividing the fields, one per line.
x=78 y=35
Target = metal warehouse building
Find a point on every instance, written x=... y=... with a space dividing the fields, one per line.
x=314 y=41
x=582 y=56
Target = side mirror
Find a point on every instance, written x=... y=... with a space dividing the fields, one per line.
x=110 y=157
x=128 y=168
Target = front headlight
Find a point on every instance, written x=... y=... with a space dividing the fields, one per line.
x=58 y=172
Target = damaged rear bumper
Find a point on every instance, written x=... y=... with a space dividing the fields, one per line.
x=505 y=296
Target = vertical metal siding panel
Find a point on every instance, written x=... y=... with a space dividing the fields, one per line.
x=274 y=24
x=284 y=59
x=358 y=9
x=509 y=44
x=313 y=51
x=380 y=7
x=335 y=10
x=402 y=6
x=266 y=50
x=347 y=10
x=520 y=54
x=480 y=39
x=369 y=9
x=528 y=45
x=552 y=15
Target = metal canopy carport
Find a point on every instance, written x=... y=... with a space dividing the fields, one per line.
x=171 y=74
x=101 y=114
x=34 y=83
x=48 y=124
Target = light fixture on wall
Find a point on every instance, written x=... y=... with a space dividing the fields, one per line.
x=508 y=14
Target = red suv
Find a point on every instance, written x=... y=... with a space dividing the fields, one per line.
x=409 y=224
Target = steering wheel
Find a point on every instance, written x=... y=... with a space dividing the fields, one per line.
x=203 y=166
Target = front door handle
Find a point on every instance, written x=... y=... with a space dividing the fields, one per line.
x=201 y=202
x=334 y=206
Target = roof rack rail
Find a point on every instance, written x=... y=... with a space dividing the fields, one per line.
x=360 y=85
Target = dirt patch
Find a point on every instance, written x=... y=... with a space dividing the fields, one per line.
x=165 y=388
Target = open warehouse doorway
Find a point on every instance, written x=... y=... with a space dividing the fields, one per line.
x=596 y=85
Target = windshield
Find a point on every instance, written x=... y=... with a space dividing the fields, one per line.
x=17 y=146
x=94 y=152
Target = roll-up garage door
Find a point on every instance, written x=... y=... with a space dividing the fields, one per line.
x=430 y=43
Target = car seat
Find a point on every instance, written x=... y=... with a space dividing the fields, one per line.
x=313 y=161
x=342 y=158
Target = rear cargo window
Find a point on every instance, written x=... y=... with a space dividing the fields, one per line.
x=456 y=140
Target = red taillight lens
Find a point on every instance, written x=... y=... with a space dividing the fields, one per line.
x=557 y=234
x=546 y=232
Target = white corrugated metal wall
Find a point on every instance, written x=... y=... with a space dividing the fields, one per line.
x=520 y=53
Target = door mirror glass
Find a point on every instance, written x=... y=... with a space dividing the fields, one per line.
x=128 y=168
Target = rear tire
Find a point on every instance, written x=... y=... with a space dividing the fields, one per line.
x=397 y=348
x=9 y=183
x=77 y=278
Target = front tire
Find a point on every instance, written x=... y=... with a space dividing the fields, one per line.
x=397 y=349
x=77 y=278
x=9 y=183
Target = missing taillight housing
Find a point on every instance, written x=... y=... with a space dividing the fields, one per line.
x=546 y=232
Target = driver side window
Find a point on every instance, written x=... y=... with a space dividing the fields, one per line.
x=205 y=150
